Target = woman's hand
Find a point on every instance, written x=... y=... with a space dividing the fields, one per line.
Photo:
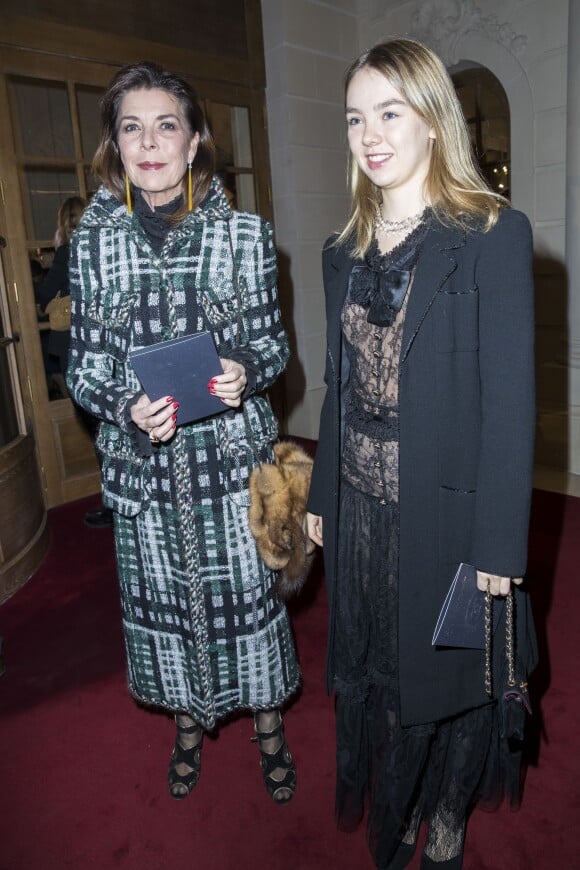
x=314 y=528
x=229 y=386
x=497 y=585
x=158 y=419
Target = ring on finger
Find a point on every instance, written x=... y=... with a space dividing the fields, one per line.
x=152 y=437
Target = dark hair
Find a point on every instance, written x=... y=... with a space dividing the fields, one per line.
x=107 y=164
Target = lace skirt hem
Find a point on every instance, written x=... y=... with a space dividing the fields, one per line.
x=434 y=772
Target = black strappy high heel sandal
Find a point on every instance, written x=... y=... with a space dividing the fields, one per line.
x=182 y=784
x=278 y=767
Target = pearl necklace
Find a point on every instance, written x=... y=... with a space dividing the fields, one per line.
x=404 y=225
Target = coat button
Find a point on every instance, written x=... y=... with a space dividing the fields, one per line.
x=376 y=392
x=376 y=354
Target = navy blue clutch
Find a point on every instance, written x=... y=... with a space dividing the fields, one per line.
x=461 y=622
x=182 y=368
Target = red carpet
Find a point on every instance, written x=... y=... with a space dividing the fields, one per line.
x=82 y=767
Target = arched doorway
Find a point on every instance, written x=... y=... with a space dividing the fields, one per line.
x=486 y=108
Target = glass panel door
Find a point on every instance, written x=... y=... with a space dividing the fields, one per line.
x=230 y=126
x=55 y=127
x=50 y=110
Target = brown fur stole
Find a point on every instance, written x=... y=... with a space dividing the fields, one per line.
x=277 y=515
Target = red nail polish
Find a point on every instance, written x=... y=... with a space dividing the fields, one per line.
x=175 y=406
x=213 y=381
x=174 y=417
x=212 y=391
x=169 y=399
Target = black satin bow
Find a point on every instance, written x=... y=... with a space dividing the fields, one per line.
x=383 y=293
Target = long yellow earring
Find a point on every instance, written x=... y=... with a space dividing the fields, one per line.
x=128 y=194
x=189 y=188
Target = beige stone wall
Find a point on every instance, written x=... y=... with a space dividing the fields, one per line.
x=524 y=43
x=307 y=48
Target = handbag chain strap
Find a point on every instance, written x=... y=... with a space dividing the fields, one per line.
x=509 y=640
x=488 y=633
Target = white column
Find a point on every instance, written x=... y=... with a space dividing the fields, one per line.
x=573 y=232
x=307 y=47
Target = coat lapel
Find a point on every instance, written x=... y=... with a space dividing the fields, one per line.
x=337 y=275
x=436 y=263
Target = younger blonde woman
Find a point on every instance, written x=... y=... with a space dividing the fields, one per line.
x=424 y=458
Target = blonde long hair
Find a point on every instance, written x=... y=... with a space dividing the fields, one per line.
x=457 y=191
x=69 y=216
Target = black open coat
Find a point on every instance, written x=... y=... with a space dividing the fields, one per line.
x=466 y=404
x=56 y=281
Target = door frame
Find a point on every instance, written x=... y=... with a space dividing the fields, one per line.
x=24 y=536
x=53 y=421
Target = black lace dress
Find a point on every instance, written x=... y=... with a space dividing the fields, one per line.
x=412 y=773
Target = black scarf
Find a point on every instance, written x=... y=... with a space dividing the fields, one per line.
x=380 y=282
x=155 y=222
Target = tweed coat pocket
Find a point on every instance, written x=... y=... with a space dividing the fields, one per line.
x=104 y=338
x=109 y=331
x=246 y=439
x=125 y=477
x=219 y=299
x=221 y=306
x=111 y=315
x=456 y=320
x=124 y=488
x=116 y=343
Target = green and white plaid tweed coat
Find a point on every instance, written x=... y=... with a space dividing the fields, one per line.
x=203 y=631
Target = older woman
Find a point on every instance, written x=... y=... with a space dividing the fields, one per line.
x=160 y=254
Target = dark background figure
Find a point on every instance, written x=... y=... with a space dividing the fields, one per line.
x=50 y=363
x=55 y=282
